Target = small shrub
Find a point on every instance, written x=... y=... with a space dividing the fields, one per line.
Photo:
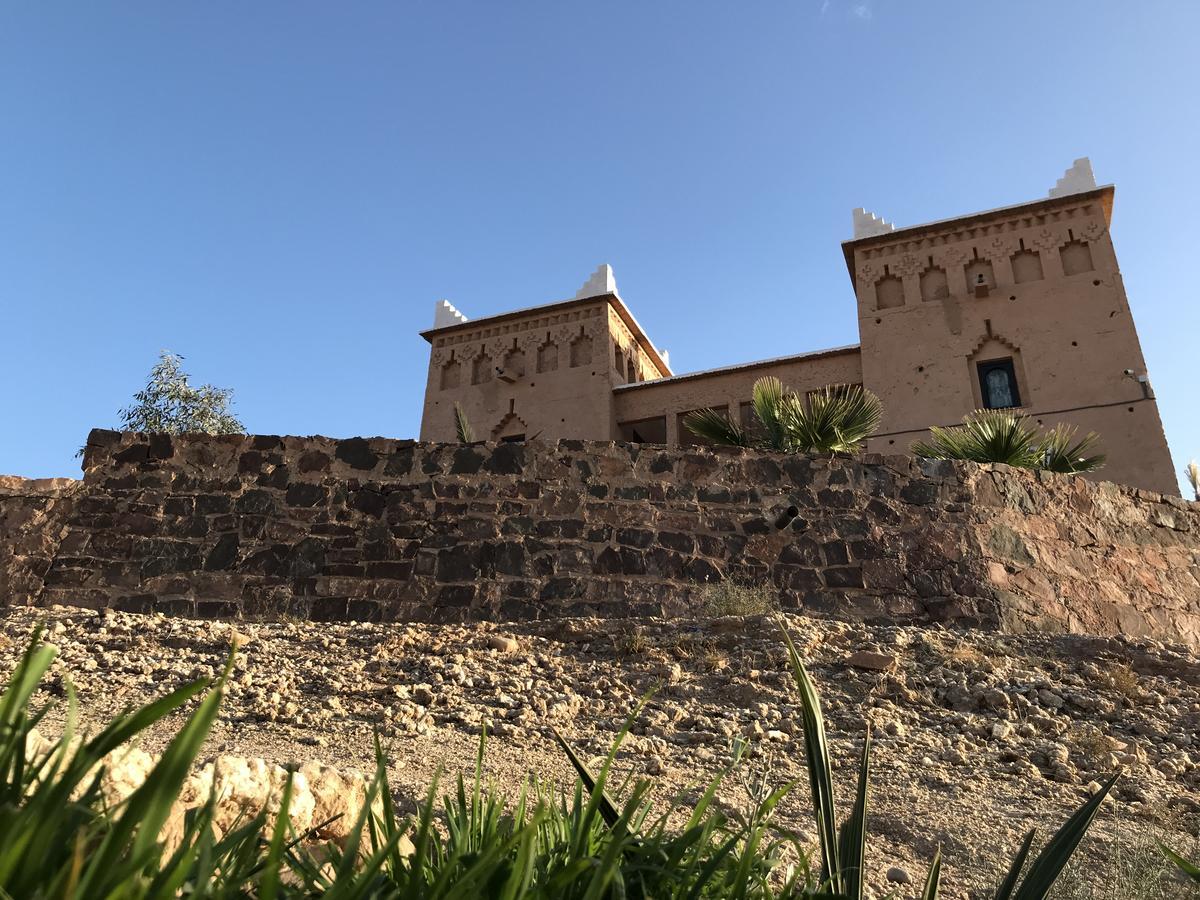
x=733 y=598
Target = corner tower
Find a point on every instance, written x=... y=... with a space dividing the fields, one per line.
x=545 y=371
x=1021 y=307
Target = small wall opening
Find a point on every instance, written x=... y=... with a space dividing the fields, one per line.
x=1076 y=258
x=644 y=431
x=934 y=285
x=1027 y=266
x=889 y=292
x=581 y=349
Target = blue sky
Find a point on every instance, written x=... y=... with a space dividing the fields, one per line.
x=279 y=191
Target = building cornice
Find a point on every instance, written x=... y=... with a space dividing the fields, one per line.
x=561 y=306
x=741 y=367
x=909 y=233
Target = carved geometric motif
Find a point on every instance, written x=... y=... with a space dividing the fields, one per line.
x=907 y=265
x=1045 y=240
x=952 y=256
x=999 y=248
x=866 y=274
x=1092 y=231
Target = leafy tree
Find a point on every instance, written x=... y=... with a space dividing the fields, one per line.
x=170 y=404
x=834 y=419
x=1002 y=436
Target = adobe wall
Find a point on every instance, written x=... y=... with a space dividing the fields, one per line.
x=728 y=389
x=386 y=529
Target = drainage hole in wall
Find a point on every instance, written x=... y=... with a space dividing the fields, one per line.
x=877 y=321
x=1096 y=283
x=1013 y=297
x=1074 y=343
x=920 y=368
x=891 y=442
x=1131 y=409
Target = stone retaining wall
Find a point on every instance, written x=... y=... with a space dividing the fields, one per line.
x=386 y=529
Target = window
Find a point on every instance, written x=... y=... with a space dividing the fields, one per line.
x=644 y=431
x=998 y=384
x=689 y=438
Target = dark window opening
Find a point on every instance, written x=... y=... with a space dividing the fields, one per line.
x=513 y=439
x=644 y=431
x=998 y=384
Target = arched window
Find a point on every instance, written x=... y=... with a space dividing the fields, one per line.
x=1026 y=266
x=514 y=363
x=933 y=284
x=481 y=369
x=581 y=349
x=889 y=292
x=998 y=384
x=547 y=356
x=1076 y=257
x=979 y=275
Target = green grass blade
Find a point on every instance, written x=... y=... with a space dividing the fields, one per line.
x=934 y=878
x=1014 y=871
x=1191 y=870
x=1057 y=853
x=853 y=849
x=820 y=772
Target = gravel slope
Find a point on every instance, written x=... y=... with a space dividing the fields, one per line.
x=979 y=736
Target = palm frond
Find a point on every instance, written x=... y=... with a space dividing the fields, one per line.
x=1062 y=453
x=1193 y=476
x=711 y=425
x=835 y=419
x=767 y=401
x=985 y=436
x=462 y=427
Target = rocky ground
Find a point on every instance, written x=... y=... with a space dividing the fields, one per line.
x=979 y=736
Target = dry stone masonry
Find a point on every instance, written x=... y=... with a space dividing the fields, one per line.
x=375 y=529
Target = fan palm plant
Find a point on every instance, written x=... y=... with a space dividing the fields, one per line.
x=1002 y=436
x=834 y=419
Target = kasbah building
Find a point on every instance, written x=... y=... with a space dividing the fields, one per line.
x=1020 y=307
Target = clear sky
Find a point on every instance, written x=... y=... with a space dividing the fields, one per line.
x=279 y=191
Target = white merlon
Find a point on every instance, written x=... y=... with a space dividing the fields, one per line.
x=445 y=315
x=1077 y=179
x=666 y=357
x=602 y=282
x=868 y=224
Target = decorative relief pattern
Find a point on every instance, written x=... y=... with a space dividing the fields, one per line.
x=950 y=235
x=1046 y=240
x=999 y=248
x=907 y=265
